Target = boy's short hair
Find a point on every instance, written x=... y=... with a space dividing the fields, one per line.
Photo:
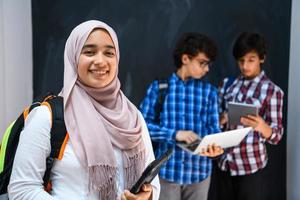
x=192 y=44
x=247 y=42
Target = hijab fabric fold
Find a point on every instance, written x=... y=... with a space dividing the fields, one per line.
x=100 y=119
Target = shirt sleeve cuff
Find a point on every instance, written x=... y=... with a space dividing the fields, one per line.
x=275 y=136
x=171 y=135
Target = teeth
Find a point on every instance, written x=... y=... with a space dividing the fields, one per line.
x=99 y=72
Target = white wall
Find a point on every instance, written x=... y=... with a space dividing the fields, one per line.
x=15 y=59
x=2 y=111
x=293 y=124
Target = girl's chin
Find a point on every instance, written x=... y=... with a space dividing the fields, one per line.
x=100 y=83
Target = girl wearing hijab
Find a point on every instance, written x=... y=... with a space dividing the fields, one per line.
x=109 y=144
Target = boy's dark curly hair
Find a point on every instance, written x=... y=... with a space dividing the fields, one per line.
x=192 y=44
x=248 y=42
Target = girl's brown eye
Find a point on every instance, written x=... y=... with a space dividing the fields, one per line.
x=89 y=53
x=110 y=54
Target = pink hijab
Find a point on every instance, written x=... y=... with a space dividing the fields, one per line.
x=99 y=119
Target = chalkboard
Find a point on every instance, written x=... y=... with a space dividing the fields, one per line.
x=147 y=31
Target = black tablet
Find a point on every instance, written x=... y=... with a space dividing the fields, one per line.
x=150 y=172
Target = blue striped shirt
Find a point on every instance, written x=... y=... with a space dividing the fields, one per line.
x=188 y=105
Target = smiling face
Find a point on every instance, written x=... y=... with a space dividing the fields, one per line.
x=97 y=65
x=250 y=65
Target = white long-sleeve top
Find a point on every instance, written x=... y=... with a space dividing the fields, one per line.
x=69 y=178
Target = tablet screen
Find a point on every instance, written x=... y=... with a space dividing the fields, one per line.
x=238 y=110
x=189 y=147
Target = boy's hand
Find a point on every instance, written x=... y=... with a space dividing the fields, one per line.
x=186 y=136
x=258 y=124
x=144 y=194
x=212 y=151
x=223 y=119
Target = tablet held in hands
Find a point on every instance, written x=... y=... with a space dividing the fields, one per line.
x=150 y=172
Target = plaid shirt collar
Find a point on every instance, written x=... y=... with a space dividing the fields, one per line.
x=257 y=79
x=178 y=79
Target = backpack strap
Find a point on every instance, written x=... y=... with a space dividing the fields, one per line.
x=229 y=83
x=58 y=134
x=163 y=86
x=9 y=145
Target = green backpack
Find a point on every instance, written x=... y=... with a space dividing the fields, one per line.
x=58 y=135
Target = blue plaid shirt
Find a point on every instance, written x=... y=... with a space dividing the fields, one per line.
x=188 y=105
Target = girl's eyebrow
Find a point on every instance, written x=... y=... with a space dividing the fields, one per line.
x=94 y=46
x=89 y=46
x=110 y=46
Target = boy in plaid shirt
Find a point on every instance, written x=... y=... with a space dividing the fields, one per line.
x=189 y=111
x=240 y=168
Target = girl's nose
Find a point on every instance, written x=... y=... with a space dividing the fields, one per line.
x=99 y=58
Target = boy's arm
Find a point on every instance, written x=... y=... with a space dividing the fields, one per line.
x=213 y=151
x=270 y=125
x=147 y=108
x=274 y=116
x=213 y=119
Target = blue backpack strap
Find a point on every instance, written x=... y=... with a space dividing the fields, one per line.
x=229 y=82
x=163 y=86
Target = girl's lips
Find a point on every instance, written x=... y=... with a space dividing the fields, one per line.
x=99 y=73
